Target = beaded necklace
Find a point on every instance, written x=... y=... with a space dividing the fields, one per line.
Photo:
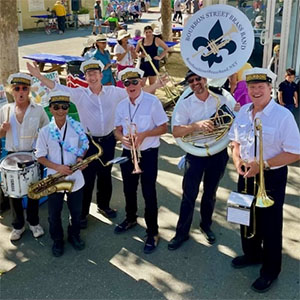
x=55 y=135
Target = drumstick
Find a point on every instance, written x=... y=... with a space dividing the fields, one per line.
x=7 y=115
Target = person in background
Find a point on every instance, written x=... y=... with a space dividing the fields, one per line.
x=238 y=86
x=280 y=140
x=287 y=94
x=60 y=12
x=20 y=122
x=60 y=144
x=137 y=35
x=104 y=56
x=151 y=44
x=97 y=17
x=89 y=49
x=274 y=62
x=177 y=12
x=124 y=52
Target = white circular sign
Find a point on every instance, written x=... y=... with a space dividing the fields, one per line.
x=217 y=41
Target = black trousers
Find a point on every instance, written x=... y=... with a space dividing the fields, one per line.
x=17 y=212
x=103 y=174
x=148 y=164
x=55 y=206
x=267 y=242
x=61 y=23
x=212 y=168
x=179 y=14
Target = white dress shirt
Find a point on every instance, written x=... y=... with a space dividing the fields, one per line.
x=147 y=114
x=35 y=118
x=127 y=59
x=47 y=147
x=96 y=112
x=279 y=128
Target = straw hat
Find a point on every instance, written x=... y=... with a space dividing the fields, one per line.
x=89 y=42
x=122 y=34
x=156 y=31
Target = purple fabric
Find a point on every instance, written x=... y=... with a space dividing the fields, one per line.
x=241 y=93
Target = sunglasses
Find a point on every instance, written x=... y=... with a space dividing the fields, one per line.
x=63 y=106
x=21 y=88
x=127 y=83
x=191 y=80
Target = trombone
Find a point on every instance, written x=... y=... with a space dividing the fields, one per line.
x=171 y=93
x=262 y=200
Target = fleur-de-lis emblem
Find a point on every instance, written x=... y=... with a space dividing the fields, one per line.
x=214 y=44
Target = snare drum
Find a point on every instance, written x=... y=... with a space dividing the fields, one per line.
x=18 y=170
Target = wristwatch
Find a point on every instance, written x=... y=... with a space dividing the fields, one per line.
x=266 y=165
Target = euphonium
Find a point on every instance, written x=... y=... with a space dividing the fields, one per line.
x=134 y=152
x=54 y=183
x=262 y=199
x=222 y=121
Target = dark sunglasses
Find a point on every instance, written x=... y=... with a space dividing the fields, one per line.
x=191 y=80
x=21 y=88
x=127 y=83
x=63 y=106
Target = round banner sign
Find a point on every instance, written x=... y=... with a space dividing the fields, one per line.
x=217 y=41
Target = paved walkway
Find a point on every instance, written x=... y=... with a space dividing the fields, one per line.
x=115 y=267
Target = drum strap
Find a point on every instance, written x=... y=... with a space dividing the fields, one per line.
x=61 y=146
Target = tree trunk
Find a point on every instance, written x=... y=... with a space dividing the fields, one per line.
x=166 y=18
x=9 y=37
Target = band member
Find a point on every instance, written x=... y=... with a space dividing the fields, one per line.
x=96 y=106
x=140 y=120
x=281 y=140
x=20 y=122
x=193 y=114
x=60 y=144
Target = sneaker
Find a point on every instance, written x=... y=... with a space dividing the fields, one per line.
x=124 y=226
x=37 y=230
x=16 y=234
x=151 y=243
x=108 y=213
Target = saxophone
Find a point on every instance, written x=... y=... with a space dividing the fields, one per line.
x=54 y=183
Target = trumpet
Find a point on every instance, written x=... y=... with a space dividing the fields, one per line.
x=212 y=45
x=135 y=153
x=173 y=93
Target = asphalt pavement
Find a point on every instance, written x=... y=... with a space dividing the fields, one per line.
x=114 y=266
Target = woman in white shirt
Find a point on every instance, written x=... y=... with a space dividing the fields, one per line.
x=124 y=52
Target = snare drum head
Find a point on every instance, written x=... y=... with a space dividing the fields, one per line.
x=10 y=162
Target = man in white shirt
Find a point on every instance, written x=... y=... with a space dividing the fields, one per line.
x=281 y=146
x=193 y=114
x=20 y=122
x=96 y=106
x=140 y=120
x=177 y=11
x=61 y=144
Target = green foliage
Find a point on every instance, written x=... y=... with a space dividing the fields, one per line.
x=83 y=10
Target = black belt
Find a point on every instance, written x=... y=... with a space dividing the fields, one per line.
x=10 y=152
x=100 y=139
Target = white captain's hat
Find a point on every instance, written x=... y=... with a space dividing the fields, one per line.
x=259 y=75
x=130 y=73
x=59 y=97
x=19 y=78
x=91 y=64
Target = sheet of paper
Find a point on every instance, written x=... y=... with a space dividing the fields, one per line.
x=239 y=216
x=240 y=199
